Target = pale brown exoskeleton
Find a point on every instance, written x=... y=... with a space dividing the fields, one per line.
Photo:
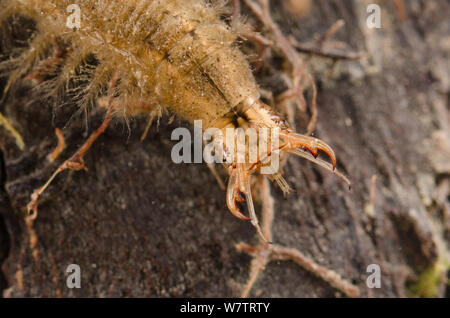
x=155 y=57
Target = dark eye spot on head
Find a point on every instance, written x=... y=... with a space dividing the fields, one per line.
x=242 y=115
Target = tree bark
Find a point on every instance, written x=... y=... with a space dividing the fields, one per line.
x=140 y=225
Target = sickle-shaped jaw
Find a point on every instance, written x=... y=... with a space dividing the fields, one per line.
x=240 y=182
x=308 y=147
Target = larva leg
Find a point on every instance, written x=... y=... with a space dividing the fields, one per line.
x=299 y=78
x=76 y=161
x=155 y=113
x=18 y=138
x=262 y=44
x=134 y=107
x=260 y=258
x=264 y=253
x=236 y=5
x=212 y=168
x=322 y=47
x=32 y=237
x=263 y=47
x=48 y=66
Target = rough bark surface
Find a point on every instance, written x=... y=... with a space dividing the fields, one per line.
x=140 y=225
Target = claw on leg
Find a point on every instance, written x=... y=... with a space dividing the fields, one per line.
x=59 y=148
x=313 y=145
x=76 y=161
x=240 y=182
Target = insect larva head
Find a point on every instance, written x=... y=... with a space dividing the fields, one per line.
x=261 y=151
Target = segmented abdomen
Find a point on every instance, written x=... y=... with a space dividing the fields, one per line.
x=177 y=52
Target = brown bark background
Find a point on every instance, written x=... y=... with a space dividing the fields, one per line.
x=140 y=225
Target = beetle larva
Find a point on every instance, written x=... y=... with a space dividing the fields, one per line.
x=173 y=56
